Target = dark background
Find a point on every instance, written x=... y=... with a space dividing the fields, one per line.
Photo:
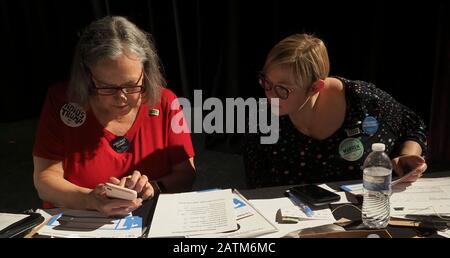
x=219 y=45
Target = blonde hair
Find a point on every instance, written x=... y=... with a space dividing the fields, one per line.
x=305 y=55
x=111 y=37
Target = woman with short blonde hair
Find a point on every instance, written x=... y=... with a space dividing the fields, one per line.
x=327 y=124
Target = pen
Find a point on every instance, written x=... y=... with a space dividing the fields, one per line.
x=306 y=209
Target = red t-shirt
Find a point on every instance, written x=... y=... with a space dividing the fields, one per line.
x=68 y=133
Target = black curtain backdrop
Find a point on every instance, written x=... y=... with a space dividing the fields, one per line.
x=219 y=45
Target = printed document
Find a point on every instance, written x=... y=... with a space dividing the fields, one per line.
x=250 y=222
x=426 y=196
x=193 y=213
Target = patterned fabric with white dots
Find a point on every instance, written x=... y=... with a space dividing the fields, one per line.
x=298 y=159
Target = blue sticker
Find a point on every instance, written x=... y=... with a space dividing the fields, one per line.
x=238 y=203
x=370 y=125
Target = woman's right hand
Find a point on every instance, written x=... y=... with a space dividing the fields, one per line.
x=111 y=207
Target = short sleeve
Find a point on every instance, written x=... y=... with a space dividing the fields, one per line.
x=178 y=134
x=49 y=140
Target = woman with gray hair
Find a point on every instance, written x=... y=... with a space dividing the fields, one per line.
x=111 y=124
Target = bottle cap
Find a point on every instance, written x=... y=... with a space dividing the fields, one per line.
x=378 y=147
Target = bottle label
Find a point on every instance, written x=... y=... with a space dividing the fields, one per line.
x=377 y=183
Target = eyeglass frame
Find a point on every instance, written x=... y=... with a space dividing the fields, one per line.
x=116 y=88
x=262 y=80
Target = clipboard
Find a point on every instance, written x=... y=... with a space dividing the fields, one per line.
x=22 y=227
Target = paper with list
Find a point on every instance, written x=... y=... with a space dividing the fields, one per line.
x=426 y=196
x=193 y=213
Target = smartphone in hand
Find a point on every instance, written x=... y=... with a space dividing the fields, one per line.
x=314 y=195
x=115 y=191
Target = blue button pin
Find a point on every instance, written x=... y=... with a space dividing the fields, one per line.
x=370 y=125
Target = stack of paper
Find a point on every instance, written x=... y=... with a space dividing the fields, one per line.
x=218 y=213
x=251 y=223
x=426 y=196
x=193 y=213
x=91 y=224
x=269 y=208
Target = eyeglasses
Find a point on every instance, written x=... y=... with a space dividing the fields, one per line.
x=280 y=91
x=107 y=91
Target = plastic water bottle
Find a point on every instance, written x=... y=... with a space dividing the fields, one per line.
x=377 y=178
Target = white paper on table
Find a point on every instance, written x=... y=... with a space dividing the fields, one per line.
x=241 y=207
x=7 y=219
x=269 y=207
x=357 y=189
x=251 y=223
x=91 y=224
x=423 y=197
x=445 y=233
x=193 y=213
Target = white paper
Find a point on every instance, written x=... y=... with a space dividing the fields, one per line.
x=357 y=189
x=91 y=224
x=424 y=197
x=445 y=233
x=193 y=213
x=269 y=208
x=241 y=208
x=7 y=219
x=250 y=222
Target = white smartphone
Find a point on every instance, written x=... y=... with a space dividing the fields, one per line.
x=115 y=191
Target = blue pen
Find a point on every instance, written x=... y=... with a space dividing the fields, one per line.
x=306 y=209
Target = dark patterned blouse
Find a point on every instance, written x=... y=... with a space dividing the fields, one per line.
x=371 y=116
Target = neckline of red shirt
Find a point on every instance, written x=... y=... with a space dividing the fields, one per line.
x=129 y=134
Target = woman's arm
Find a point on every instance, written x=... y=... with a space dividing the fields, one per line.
x=52 y=187
x=410 y=161
x=410 y=148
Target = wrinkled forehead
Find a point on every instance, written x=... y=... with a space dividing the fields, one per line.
x=121 y=70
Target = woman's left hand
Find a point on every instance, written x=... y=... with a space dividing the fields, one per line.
x=411 y=165
x=136 y=182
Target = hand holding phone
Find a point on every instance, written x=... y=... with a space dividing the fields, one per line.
x=314 y=195
x=115 y=191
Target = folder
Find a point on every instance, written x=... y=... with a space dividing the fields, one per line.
x=22 y=227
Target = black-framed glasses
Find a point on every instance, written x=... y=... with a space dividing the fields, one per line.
x=280 y=91
x=112 y=90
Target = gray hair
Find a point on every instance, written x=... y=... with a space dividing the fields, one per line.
x=110 y=37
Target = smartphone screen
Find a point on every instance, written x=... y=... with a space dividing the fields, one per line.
x=314 y=195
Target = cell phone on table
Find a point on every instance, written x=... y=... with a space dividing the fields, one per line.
x=115 y=191
x=314 y=195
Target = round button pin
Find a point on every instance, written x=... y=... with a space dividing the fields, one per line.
x=351 y=149
x=370 y=125
x=72 y=114
x=120 y=144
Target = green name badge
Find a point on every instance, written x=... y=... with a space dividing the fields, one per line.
x=351 y=149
